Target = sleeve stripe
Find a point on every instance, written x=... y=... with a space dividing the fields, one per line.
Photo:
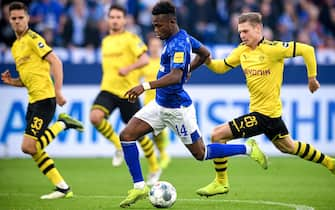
x=46 y=54
x=294 y=48
x=225 y=62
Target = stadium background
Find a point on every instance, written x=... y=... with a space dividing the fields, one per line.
x=218 y=98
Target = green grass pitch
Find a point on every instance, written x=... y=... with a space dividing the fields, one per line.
x=289 y=183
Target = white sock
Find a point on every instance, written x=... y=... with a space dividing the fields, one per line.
x=62 y=124
x=248 y=149
x=62 y=185
x=139 y=185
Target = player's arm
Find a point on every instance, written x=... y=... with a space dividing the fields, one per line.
x=6 y=77
x=142 y=60
x=174 y=77
x=56 y=68
x=202 y=53
x=307 y=52
x=222 y=66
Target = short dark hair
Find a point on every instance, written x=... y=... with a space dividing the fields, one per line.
x=118 y=7
x=17 y=5
x=164 y=7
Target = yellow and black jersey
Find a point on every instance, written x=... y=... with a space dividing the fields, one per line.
x=34 y=72
x=118 y=51
x=263 y=70
x=149 y=73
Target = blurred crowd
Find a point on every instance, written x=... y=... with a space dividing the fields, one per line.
x=81 y=23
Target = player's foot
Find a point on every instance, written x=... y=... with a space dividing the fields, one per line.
x=164 y=162
x=214 y=188
x=70 y=122
x=257 y=154
x=154 y=177
x=134 y=195
x=58 y=193
x=118 y=158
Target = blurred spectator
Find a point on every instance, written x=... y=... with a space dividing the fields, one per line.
x=7 y=35
x=80 y=29
x=288 y=22
x=327 y=17
x=45 y=13
x=204 y=25
x=267 y=33
x=131 y=26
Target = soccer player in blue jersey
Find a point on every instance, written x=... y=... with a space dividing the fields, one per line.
x=172 y=106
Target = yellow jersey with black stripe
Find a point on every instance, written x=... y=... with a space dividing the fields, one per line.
x=263 y=69
x=149 y=73
x=118 y=51
x=34 y=72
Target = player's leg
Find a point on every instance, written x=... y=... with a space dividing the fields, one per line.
x=127 y=110
x=38 y=136
x=148 y=148
x=305 y=151
x=162 y=141
x=224 y=133
x=133 y=130
x=146 y=120
x=102 y=107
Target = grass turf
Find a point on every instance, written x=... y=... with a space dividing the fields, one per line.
x=289 y=183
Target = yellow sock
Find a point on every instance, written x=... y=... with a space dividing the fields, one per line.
x=49 y=135
x=47 y=166
x=162 y=142
x=149 y=152
x=221 y=165
x=106 y=129
x=308 y=152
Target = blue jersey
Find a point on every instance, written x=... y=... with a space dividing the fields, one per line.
x=176 y=54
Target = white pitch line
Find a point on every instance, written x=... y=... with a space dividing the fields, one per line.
x=271 y=203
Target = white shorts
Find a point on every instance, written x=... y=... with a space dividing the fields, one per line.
x=182 y=120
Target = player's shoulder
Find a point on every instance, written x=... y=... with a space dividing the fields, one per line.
x=130 y=35
x=33 y=35
x=276 y=43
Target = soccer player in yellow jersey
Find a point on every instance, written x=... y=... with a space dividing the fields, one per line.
x=34 y=61
x=123 y=54
x=150 y=73
x=263 y=63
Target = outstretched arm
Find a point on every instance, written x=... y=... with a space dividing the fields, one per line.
x=6 y=77
x=307 y=52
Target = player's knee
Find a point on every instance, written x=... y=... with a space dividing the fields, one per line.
x=125 y=136
x=28 y=149
x=199 y=155
x=95 y=119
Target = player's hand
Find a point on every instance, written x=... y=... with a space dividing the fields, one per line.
x=123 y=71
x=134 y=93
x=208 y=60
x=6 y=77
x=60 y=99
x=313 y=84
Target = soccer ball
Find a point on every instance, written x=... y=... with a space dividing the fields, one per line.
x=162 y=194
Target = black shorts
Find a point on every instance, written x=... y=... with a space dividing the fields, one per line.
x=39 y=115
x=108 y=102
x=255 y=123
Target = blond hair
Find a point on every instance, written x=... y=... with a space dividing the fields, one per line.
x=253 y=18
